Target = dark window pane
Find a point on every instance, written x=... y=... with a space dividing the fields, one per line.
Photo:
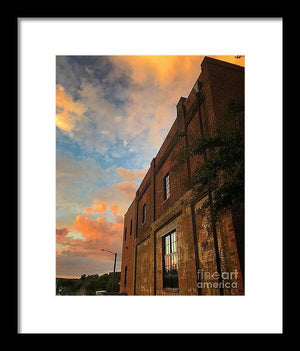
x=175 y=281
x=125 y=276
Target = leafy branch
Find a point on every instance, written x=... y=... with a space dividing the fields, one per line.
x=222 y=171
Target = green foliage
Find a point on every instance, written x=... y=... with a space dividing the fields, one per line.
x=77 y=285
x=87 y=284
x=222 y=171
x=113 y=282
x=66 y=286
x=95 y=283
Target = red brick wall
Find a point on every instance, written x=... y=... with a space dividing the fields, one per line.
x=177 y=188
x=193 y=130
x=229 y=255
x=146 y=198
x=166 y=142
x=144 y=268
x=221 y=83
x=128 y=251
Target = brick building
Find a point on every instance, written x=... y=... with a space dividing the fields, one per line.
x=167 y=249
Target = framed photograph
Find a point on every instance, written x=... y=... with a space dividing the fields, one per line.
x=147 y=175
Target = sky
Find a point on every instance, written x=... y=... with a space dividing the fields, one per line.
x=112 y=115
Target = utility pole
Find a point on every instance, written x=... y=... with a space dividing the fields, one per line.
x=113 y=278
x=114 y=272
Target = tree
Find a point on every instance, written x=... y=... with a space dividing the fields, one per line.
x=90 y=285
x=113 y=281
x=101 y=282
x=77 y=285
x=222 y=172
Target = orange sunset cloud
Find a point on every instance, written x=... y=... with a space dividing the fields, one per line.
x=128 y=188
x=130 y=175
x=114 y=209
x=163 y=68
x=99 y=207
x=96 y=233
x=68 y=111
x=97 y=228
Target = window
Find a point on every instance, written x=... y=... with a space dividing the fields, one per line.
x=125 y=234
x=166 y=187
x=144 y=214
x=130 y=228
x=125 y=276
x=170 y=261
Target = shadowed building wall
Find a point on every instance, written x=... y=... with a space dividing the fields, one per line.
x=167 y=246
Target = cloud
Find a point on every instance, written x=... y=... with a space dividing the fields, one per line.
x=131 y=175
x=128 y=188
x=68 y=112
x=62 y=232
x=114 y=209
x=112 y=196
x=165 y=79
x=127 y=98
x=96 y=234
x=102 y=90
x=61 y=235
x=116 y=104
x=99 y=207
x=158 y=82
x=98 y=228
x=77 y=181
x=163 y=69
x=119 y=195
x=74 y=266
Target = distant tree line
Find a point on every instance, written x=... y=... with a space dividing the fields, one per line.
x=88 y=284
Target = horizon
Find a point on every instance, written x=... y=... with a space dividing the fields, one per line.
x=78 y=277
